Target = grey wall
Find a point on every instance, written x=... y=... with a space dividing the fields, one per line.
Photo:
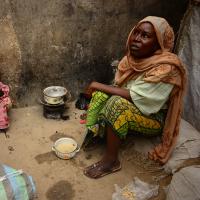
x=69 y=43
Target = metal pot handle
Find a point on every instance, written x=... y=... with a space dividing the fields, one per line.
x=68 y=96
x=77 y=149
x=53 y=148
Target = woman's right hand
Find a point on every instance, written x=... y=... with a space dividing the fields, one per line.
x=108 y=89
x=92 y=88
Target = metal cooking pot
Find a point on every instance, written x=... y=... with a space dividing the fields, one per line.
x=55 y=94
x=65 y=141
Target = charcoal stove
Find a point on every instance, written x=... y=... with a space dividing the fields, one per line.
x=52 y=111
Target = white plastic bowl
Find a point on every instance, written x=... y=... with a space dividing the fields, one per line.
x=67 y=155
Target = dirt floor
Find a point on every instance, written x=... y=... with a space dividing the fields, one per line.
x=27 y=145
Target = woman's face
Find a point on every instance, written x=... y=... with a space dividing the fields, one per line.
x=143 y=41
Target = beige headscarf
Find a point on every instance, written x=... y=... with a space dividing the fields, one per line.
x=162 y=66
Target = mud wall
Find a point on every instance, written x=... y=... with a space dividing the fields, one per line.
x=69 y=43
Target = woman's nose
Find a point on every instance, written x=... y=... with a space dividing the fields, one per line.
x=137 y=38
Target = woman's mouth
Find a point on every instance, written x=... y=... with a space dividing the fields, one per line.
x=134 y=47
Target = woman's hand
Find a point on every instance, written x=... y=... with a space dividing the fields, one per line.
x=108 y=89
x=92 y=88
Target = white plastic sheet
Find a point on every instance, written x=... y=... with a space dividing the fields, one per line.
x=188 y=50
x=135 y=190
x=188 y=146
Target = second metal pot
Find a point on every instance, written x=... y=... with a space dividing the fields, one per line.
x=54 y=94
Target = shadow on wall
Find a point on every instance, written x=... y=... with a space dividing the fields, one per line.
x=68 y=43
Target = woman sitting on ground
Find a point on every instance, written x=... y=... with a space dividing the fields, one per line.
x=146 y=98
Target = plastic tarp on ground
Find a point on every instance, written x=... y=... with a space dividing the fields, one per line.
x=188 y=49
x=185 y=184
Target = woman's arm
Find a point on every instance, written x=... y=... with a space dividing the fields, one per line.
x=108 y=89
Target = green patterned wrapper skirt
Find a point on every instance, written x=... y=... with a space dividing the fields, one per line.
x=122 y=116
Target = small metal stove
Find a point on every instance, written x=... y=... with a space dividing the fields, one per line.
x=54 y=111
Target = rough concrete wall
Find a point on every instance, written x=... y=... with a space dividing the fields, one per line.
x=69 y=43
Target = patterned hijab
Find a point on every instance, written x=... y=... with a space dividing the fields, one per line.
x=162 y=66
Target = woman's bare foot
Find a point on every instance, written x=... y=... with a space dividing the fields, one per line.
x=102 y=168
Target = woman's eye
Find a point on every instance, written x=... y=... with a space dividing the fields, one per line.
x=145 y=36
